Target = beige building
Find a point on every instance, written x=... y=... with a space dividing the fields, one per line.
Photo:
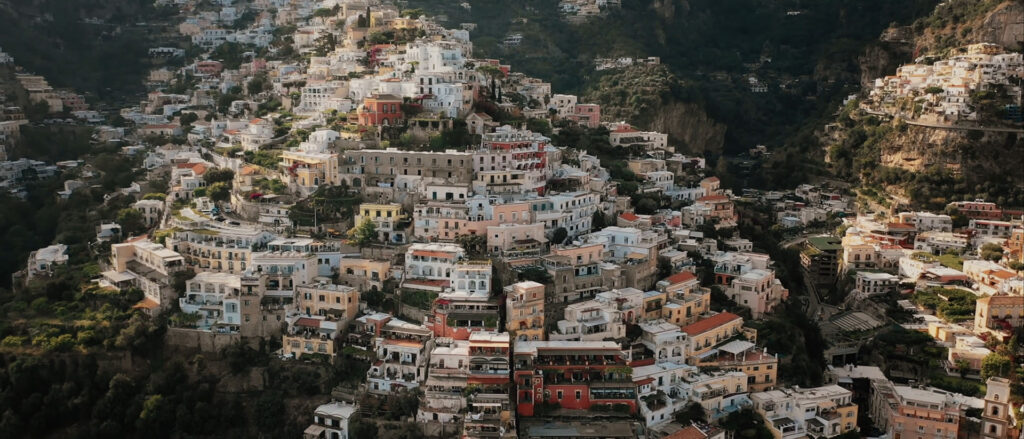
x=999 y=314
x=369 y=167
x=336 y=302
x=826 y=411
x=363 y=274
x=524 y=307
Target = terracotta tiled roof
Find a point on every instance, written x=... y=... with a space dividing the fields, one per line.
x=689 y=432
x=629 y=216
x=702 y=326
x=307 y=322
x=682 y=276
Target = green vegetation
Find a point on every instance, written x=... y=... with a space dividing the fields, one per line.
x=950 y=304
x=364 y=233
x=418 y=299
x=808 y=61
x=70 y=52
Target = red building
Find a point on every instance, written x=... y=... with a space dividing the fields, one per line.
x=459 y=317
x=588 y=115
x=381 y=110
x=979 y=209
x=572 y=375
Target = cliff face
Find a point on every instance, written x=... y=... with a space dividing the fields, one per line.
x=961 y=22
x=981 y=155
x=653 y=98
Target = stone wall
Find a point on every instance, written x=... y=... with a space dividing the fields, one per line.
x=204 y=341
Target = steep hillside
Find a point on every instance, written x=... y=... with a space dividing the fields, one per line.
x=923 y=165
x=96 y=47
x=653 y=97
x=804 y=53
x=957 y=23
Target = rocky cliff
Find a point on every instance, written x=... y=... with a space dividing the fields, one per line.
x=977 y=162
x=653 y=98
x=979 y=154
x=961 y=22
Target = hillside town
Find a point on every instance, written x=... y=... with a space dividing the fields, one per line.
x=343 y=179
x=947 y=91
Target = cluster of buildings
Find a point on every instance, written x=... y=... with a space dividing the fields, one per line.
x=530 y=283
x=942 y=92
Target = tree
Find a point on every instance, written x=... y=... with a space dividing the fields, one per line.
x=693 y=412
x=475 y=245
x=963 y=366
x=536 y=274
x=219 y=191
x=991 y=252
x=364 y=233
x=646 y=206
x=996 y=365
x=598 y=222
x=188 y=118
x=131 y=221
x=559 y=235
x=223 y=175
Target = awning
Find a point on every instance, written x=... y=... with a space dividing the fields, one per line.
x=708 y=354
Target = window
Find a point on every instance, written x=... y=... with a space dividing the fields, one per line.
x=578 y=395
x=559 y=394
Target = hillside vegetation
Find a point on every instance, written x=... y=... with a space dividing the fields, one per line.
x=805 y=52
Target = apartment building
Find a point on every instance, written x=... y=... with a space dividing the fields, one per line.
x=448 y=371
x=389 y=220
x=227 y=250
x=984 y=229
x=363 y=274
x=999 y=315
x=760 y=367
x=712 y=331
x=311 y=334
x=687 y=301
x=147 y=266
x=665 y=341
x=402 y=352
x=468 y=306
x=579 y=272
x=524 y=311
x=874 y=283
x=758 y=290
x=372 y=167
x=729 y=265
x=513 y=241
x=793 y=413
x=910 y=412
x=336 y=302
x=819 y=258
x=429 y=266
x=575 y=375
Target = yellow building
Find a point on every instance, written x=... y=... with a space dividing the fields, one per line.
x=388 y=218
x=712 y=331
x=310 y=169
x=654 y=305
x=524 y=304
